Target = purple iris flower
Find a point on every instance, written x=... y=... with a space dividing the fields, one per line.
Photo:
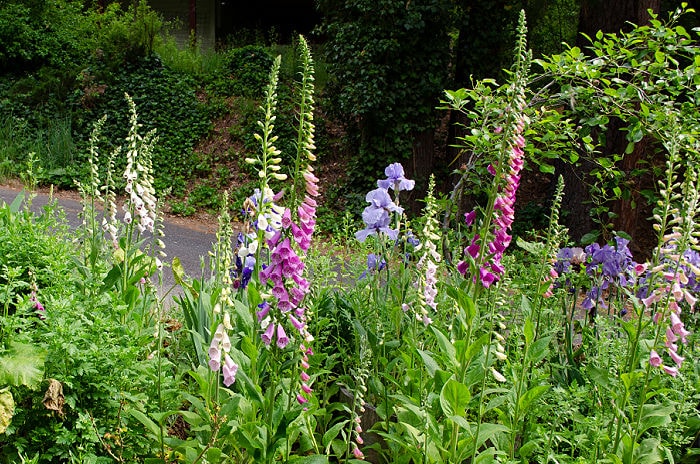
x=613 y=264
x=376 y=216
x=412 y=239
x=395 y=179
x=374 y=263
x=247 y=271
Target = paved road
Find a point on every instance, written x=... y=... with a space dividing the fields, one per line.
x=185 y=239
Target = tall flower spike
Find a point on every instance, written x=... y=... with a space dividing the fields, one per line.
x=303 y=172
x=495 y=230
x=109 y=220
x=141 y=203
x=223 y=256
x=361 y=375
x=220 y=344
x=667 y=274
x=428 y=262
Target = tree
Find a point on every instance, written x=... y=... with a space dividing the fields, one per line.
x=622 y=91
x=607 y=17
x=389 y=65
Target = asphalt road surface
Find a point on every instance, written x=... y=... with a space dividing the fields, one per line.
x=186 y=239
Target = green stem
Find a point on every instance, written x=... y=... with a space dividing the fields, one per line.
x=480 y=413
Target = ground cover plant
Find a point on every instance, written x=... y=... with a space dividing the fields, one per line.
x=437 y=338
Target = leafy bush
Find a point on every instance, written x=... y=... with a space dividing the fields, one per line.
x=167 y=103
x=246 y=72
x=36 y=33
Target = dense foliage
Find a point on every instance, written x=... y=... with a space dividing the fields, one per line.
x=389 y=62
x=437 y=339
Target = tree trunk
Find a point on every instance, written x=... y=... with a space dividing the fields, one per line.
x=422 y=165
x=606 y=16
x=612 y=16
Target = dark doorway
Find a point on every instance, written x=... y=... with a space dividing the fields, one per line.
x=272 y=20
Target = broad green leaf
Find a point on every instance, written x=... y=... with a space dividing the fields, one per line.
x=488 y=431
x=538 y=350
x=648 y=452
x=146 y=421
x=476 y=346
x=331 y=433
x=461 y=421
x=525 y=401
x=487 y=456
x=243 y=313
x=548 y=168
x=7 y=409
x=529 y=328
x=113 y=276
x=191 y=418
x=589 y=238
x=22 y=364
x=454 y=398
x=655 y=415
x=214 y=455
x=179 y=276
x=17 y=203
x=599 y=376
x=628 y=379
x=534 y=248
x=430 y=364
x=446 y=347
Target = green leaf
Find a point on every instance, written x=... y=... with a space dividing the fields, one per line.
x=605 y=163
x=454 y=398
x=648 y=452
x=534 y=248
x=331 y=433
x=7 y=409
x=589 y=238
x=313 y=459
x=659 y=56
x=179 y=276
x=548 y=168
x=538 y=350
x=430 y=364
x=112 y=277
x=525 y=401
x=146 y=421
x=628 y=379
x=599 y=376
x=22 y=364
x=446 y=347
x=655 y=415
x=214 y=455
x=461 y=422
x=529 y=328
x=488 y=431
x=17 y=203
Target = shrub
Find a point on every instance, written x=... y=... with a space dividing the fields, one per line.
x=247 y=71
x=167 y=103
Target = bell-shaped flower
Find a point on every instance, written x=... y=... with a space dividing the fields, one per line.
x=229 y=370
x=282 y=339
